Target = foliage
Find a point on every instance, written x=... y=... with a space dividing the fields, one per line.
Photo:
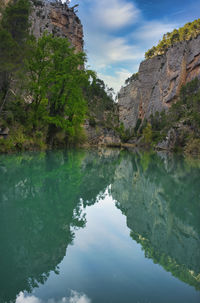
x=56 y=82
x=102 y=110
x=193 y=147
x=184 y=116
x=45 y=91
x=147 y=134
x=14 y=30
x=188 y=31
x=99 y=97
x=124 y=134
x=132 y=78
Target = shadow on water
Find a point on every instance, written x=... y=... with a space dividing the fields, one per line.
x=42 y=201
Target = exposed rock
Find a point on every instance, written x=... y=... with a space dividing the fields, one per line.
x=176 y=137
x=169 y=142
x=159 y=82
x=58 y=19
x=101 y=135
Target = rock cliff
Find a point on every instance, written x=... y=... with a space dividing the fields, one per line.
x=159 y=81
x=58 y=19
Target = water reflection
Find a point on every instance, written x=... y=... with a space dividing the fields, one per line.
x=43 y=199
x=40 y=206
x=161 y=200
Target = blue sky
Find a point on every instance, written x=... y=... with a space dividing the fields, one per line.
x=118 y=32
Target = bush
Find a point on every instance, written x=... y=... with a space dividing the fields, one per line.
x=193 y=147
x=147 y=134
x=188 y=31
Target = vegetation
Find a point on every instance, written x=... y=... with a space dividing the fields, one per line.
x=14 y=28
x=183 y=117
x=132 y=78
x=45 y=92
x=188 y=31
x=147 y=134
x=100 y=99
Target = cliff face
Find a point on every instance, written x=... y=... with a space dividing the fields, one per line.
x=57 y=19
x=159 y=81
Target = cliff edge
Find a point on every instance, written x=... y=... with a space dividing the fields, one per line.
x=158 y=82
x=57 y=19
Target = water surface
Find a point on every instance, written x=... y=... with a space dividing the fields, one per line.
x=99 y=226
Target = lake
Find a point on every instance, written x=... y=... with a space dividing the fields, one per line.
x=99 y=226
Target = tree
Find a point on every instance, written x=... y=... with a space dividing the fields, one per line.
x=147 y=133
x=56 y=82
x=14 y=31
x=188 y=31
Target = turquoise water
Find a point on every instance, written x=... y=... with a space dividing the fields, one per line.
x=99 y=226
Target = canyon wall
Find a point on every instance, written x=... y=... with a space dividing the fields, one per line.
x=57 y=19
x=159 y=82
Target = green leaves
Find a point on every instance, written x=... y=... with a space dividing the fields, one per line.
x=14 y=30
x=56 y=74
x=188 y=31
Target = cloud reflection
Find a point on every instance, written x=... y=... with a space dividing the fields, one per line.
x=75 y=297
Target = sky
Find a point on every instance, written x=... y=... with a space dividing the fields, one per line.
x=117 y=33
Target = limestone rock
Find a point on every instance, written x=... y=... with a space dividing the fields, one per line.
x=169 y=142
x=57 y=19
x=100 y=135
x=159 y=82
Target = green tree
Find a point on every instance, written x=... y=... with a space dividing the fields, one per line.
x=56 y=82
x=14 y=31
x=188 y=31
x=147 y=134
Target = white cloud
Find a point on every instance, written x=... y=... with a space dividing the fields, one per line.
x=108 y=49
x=117 y=79
x=115 y=14
x=75 y=297
x=78 y=298
x=152 y=31
x=27 y=299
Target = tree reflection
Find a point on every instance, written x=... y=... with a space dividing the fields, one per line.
x=42 y=201
x=39 y=206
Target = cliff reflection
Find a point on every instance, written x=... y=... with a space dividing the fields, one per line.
x=160 y=197
x=42 y=201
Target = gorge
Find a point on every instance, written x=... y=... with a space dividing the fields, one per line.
x=148 y=95
x=94 y=206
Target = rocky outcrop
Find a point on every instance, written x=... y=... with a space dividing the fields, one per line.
x=159 y=82
x=101 y=135
x=57 y=19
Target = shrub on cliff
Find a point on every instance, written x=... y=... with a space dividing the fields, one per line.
x=193 y=147
x=188 y=31
x=147 y=134
x=183 y=116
